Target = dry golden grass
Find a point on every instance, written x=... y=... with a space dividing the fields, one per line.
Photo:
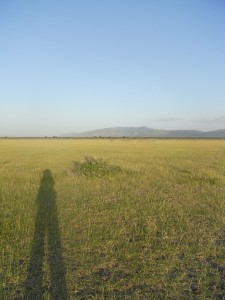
x=153 y=230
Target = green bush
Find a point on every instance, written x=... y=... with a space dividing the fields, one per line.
x=95 y=167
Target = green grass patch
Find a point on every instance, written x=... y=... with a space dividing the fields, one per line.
x=95 y=167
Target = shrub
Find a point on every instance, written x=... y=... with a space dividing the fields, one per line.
x=95 y=167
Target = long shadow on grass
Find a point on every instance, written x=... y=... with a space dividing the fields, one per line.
x=46 y=229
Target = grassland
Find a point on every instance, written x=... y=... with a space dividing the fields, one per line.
x=151 y=226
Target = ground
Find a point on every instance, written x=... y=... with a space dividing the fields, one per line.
x=112 y=219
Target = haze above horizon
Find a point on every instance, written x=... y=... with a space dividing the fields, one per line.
x=73 y=66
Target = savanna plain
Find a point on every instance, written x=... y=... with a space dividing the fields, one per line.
x=112 y=219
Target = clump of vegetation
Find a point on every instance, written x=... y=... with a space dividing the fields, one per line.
x=95 y=167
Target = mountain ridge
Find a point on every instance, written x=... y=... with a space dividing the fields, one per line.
x=144 y=131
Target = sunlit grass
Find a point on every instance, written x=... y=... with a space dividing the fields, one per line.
x=155 y=232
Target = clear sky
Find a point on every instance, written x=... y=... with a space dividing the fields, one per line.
x=72 y=66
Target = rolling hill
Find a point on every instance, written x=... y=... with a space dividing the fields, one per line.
x=136 y=132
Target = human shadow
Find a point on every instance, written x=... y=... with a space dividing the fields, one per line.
x=46 y=228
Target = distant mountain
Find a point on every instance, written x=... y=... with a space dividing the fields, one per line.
x=135 y=132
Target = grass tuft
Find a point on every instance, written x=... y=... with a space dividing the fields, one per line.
x=95 y=167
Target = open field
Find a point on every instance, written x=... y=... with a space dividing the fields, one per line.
x=149 y=224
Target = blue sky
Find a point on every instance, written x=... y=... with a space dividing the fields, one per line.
x=72 y=66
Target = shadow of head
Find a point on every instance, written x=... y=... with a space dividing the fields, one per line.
x=47 y=179
x=47 y=174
